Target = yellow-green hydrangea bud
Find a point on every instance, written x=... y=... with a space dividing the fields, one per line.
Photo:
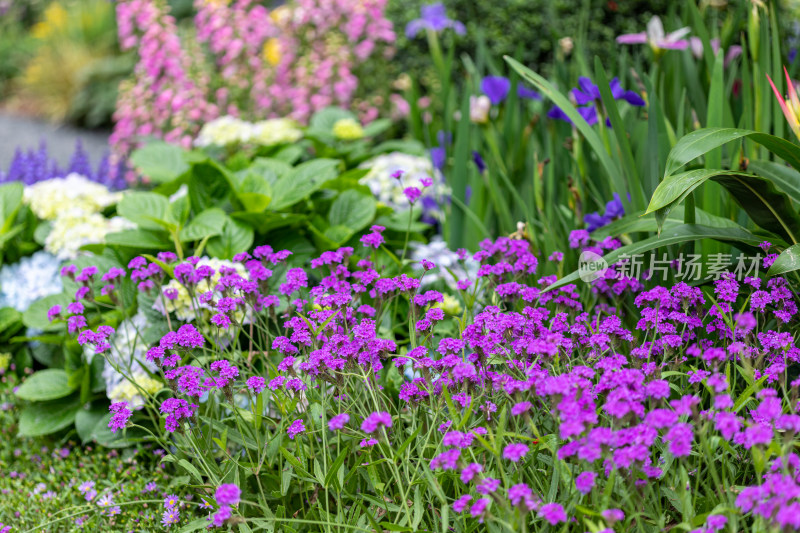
x=348 y=129
x=450 y=305
x=5 y=360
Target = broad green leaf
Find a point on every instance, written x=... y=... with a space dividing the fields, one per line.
x=87 y=419
x=35 y=316
x=677 y=186
x=8 y=316
x=639 y=221
x=407 y=146
x=10 y=202
x=677 y=235
x=43 y=385
x=208 y=223
x=271 y=169
x=700 y=142
x=234 y=238
x=290 y=154
x=338 y=234
x=255 y=192
x=784 y=177
x=210 y=185
x=43 y=418
x=144 y=209
x=303 y=180
x=134 y=238
x=352 y=209
x=764 y=204
x=376 y=127
x=267 y=221
x=788 y=261
x=160 y=162
x=324 y=119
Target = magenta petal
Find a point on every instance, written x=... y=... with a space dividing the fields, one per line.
x=633 y=38
x=673 y=45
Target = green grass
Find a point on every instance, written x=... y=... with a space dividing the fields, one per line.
x=39 y=488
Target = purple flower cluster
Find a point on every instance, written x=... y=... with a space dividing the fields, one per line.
x=227 y=495
x=120 y=416
x=32 y=166
x=631 y=386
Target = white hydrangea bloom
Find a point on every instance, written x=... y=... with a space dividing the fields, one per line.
x=275 y=131
x=31 y=278
x=74 y=228
x=182 y=304
x=49 y=198
x=224 y=131
x=389 y=190
x=446 y=261
x=227 y=131
x=127 y=372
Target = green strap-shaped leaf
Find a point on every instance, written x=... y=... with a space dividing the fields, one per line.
x=677 y=186
x=638 y=221
x=702 y=141
x=788 y=261
x=768 y=207
x=676 y=235
x=591 y=136
x=765 y=205
x=784 y=177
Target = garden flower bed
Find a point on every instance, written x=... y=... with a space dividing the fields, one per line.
x=485 y=295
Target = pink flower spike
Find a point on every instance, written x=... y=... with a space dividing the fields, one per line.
x=633 y=38
x=787 y=111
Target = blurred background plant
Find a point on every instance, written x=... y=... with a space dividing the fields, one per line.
x=74 y=64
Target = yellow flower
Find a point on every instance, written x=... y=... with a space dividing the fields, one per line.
x=272 y=51
x=54 y=19
x=348 y=129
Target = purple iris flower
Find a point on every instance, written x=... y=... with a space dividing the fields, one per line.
x=479 y=162
x=496 y=88
x=587 y=92
x=434 y=17
x=614 y=210
x=438 y=157
x=594 y=221
x=589 y=114
x=444 y=138
x=530 y=94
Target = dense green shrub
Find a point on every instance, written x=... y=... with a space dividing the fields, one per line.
x=525 y=29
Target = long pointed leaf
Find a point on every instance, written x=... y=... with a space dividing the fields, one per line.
x=788 y=261
x=677 y=235
x=703 y=141
x=591 y=136
x=785 y=178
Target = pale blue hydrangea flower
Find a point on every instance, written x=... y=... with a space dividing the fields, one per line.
x=28 y=280
x=448 y=266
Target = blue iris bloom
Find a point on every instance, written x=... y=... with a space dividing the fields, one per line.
x=434 y=17
x=496 y=88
